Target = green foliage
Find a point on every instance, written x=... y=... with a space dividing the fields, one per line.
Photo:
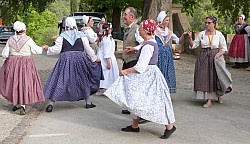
x=40 y=25
x=232 y=8
x=83 y=6
x=226 y=29
x=11 y=8
x=206 y=9
x=73 y=6
x=108 y=5
x=60 y=8
x=189 y=6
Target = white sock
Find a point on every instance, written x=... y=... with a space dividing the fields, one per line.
x=20 y=106
x=51 y=102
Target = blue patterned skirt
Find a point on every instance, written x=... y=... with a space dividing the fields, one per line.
x=166 y=65
x=73 y=78
x=145 y=95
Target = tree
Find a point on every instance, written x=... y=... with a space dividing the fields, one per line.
x=114 y=7
x=232 y=8
x=83 y=6
x=11 y=8
x=152 y=8
x=73 y=6
x=189 y=6
x=60 y=8
x=40 y=26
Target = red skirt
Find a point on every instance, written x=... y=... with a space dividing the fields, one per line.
x=19 y=81
x=237 y=47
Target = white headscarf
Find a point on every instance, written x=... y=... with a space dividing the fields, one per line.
x=161 y=16
x=70 y=22
x=85 y=19
x=243 y=16
x=19 y=26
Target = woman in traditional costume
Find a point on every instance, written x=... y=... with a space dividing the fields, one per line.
x=89 y=32
x=142 y=89
x=163 y=36
x=77 y=73
x=19 y=80
x=211 y=78
x=239 y=51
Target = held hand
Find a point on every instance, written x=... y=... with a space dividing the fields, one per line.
x=45 y=47
x=97 y=60
x=129 y=50
x=122 y=73
x=188 y=33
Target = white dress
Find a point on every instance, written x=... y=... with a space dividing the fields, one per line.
x=145 y=93
x=107 y=50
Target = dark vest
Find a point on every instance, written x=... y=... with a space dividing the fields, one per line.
x=78 y=45
x=154 y=58
x=129 y=40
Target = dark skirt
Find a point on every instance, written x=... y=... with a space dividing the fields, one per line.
x=205 y=77
x=166 y=65
x=73 y=78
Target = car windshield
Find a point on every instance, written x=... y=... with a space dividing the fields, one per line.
x=79 y=23
x=6 y=29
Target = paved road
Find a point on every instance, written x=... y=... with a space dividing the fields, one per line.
x=71 y=123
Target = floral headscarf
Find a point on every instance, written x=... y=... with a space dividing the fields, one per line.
x=149 y=26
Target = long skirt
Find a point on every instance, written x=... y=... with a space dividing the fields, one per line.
x=205 y=77
x=146 y=95
x=110 y=75
x=73 y=78
x=166 y=65
x=239 y=49
x=20 y=82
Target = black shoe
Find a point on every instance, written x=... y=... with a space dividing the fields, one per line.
x=236 y=66
x=49 y=108
x=167 y=133
x=142 y=121
x=91 y=105
x=125 y=112
x=15 y=108
x=130 y=129
x=22 y=111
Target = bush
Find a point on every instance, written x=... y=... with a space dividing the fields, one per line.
x=46 y=36
x=40 y=26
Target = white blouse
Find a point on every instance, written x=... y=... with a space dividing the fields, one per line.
x=28 y=48
x=90 y=34
x=166 y=33
x=218 y=41
x=144 y=58
x=56 y=49
x=107 y=45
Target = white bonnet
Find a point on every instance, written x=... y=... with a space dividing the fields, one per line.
x=243 y=16
x=19 y=26
x=85 y=19
x=161 y=16
x=70 y=22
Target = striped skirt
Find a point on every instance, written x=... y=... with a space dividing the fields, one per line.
x=20 y=82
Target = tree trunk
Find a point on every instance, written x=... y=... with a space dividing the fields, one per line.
x=116 y=19
x=151 y=8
